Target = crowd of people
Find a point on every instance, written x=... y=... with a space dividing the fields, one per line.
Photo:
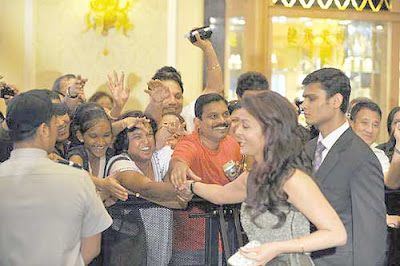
x=310 y=197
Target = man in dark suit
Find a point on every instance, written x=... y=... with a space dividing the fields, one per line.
x=347 y=171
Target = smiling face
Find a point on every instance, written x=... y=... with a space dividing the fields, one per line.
x=63 y=123
x=250 y=136
x=366 y=125
x=215 y=121
x=236 y=120
x=98 y=139
x=174 y=103
x=141 y=144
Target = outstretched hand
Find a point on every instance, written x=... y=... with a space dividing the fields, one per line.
x=261 y=254
x=119 y=92
x=158 y=91
x=114 y=187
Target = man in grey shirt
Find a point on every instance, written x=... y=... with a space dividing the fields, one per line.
x=50 y=213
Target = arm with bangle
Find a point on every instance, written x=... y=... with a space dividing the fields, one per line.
x=215 y=81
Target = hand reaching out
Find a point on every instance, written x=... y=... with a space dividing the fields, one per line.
x=113 y=186
x=261 y=254
x=158 y=91
x=118 y=90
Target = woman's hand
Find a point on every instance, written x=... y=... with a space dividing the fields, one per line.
x=131 y=122
x=112 y=185
x=263 y=253
x=119 y=92
x=158 y=91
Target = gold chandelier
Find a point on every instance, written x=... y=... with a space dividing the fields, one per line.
x=340 y=4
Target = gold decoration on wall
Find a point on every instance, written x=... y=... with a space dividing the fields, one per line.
x=307 y=5
x=326 y=5
x=388 y=4
x=359 y=5
x=288 y=4
x=378 y=6
x=107 y=14
x=341 y=6
x=323 y=42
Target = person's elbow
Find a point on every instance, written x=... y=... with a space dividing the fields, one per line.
x=340 y=235
x=90 y=248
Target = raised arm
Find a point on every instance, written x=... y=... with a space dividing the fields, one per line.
x=119 y=92
x=158 y=92
x=215 y=81
x=305 y=195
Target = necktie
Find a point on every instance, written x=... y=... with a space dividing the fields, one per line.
x=318 y=156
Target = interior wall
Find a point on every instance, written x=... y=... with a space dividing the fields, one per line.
x=61 y=44
x=12 y=43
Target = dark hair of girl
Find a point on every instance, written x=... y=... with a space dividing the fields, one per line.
x=283 y=153
x=86 y=116
x=121 y=142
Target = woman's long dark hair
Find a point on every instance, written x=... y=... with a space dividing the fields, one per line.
x=283 y=153
x=388 y=147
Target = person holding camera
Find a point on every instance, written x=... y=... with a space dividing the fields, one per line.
x=7 y=92
x=166 y=87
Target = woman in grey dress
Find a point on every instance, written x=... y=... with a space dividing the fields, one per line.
x=278 y=193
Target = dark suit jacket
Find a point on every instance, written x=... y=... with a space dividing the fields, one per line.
x=351 y=179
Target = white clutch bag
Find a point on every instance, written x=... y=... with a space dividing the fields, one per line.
x=238 y=259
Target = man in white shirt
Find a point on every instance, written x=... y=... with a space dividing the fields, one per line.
x=50 y=213
x=346 y=170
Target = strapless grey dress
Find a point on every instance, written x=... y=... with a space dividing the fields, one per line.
x=295 y=226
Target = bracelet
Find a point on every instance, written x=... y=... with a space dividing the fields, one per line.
x=301 y=245
x=192 y=187
x=214 y=67
x=396 y=150
x=69 y=93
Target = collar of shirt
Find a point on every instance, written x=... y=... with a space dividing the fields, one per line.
x=28 y=152
x=331 y=139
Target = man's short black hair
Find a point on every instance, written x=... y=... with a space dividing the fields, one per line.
x=253 y=81
x=27 y=111
x=374 y=107
x=205 y=99
x=333 y=81
x=169 y=73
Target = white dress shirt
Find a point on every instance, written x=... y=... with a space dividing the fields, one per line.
x=331 y=139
